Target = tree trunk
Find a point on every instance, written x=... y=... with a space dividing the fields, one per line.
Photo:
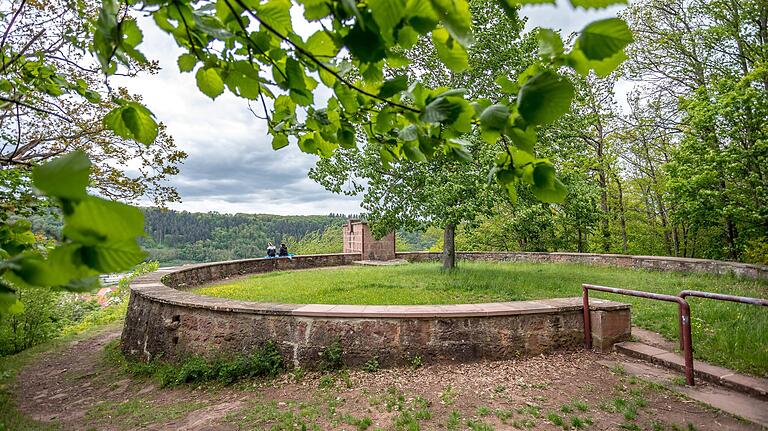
x=449 y=247
x=605 y=230
x=622 y=217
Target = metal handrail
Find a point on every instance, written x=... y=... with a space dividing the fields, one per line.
x=721 y=297
x=684 y=313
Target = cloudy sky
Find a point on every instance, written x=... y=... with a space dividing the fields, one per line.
x=231 y=166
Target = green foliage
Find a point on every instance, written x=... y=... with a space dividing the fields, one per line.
x=265 y=361
x=50 y=314
x=374 y=33
x=757 y=252
x=372 y=365
x=331 y=357
x=98 y=236
x=40 y=321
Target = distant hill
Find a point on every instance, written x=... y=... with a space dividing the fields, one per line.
x=176 y=237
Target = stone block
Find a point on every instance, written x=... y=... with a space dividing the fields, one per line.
x=610 y=327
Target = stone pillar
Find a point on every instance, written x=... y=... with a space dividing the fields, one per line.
x=610 y=327
x=358 y=238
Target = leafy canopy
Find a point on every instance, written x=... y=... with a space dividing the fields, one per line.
x=252 y=49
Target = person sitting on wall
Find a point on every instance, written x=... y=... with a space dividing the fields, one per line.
x=270 y=250
x=283 y=250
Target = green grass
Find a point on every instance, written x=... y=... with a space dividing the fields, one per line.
x=138 y=413
x=733 y=335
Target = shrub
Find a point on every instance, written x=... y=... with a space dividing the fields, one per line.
x=372 y=365
x=41 y=320
x=263 y=362
x=757 y=252
x=330 y=357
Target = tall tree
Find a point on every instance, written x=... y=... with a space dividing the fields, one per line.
x=449 y=189
x=55 y=98
x=709 y=57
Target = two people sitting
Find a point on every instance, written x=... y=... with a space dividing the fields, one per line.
x=272 y=251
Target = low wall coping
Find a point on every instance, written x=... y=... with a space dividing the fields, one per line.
x=159 y=292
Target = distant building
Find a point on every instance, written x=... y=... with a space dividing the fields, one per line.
x=358 y=238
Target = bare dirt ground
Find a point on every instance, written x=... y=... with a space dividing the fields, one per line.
x=75 y=388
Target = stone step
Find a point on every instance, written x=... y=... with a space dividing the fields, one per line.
x=754 y=386
x=736 y=403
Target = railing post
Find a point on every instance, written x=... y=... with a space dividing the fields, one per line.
x=587 y=319
x=684 y=320
x=685 y=329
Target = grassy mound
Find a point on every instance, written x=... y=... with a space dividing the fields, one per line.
x=732 y=335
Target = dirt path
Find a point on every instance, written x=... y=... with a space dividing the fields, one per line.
x=74 y=388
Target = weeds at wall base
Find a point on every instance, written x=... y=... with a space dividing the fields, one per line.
x=264 y=362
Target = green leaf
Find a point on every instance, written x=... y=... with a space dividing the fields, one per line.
x=604 y=38
x=387 y=14
x=112 y=256
x=95 y=220
x=365 y=44
x=507 y=85
x=315 y=9
x=186 y=62
x=279 y=141
x=409 y=133
x=209 y=82
x=458 y=150
x=322 y=45
x=523 y=139
x=132 y=120
x=105 y=37
x=277 y=14
x=510 y=8
x=579 y=62
x=544 y=98
x=64 y=268
x=596 y=4
x=413 y=153
x=65 y=177
x=495 y=117
x=393 y=86
x=346 y=135
x=546 y=186
x=457 y=19
x=385 y=120
x=347 y=97
x=407 y=37
x=550 y=43
x=441 y=110
x=450 y=52
x=243 y=85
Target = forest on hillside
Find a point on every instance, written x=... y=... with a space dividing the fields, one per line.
x=175 y=237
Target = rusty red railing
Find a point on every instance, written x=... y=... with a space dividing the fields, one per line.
x=721 y=297
x=684 y=318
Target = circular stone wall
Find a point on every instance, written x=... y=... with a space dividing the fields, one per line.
x=164 y=320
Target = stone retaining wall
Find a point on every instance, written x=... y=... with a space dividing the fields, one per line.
x=657 y=263
x=164 y=320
